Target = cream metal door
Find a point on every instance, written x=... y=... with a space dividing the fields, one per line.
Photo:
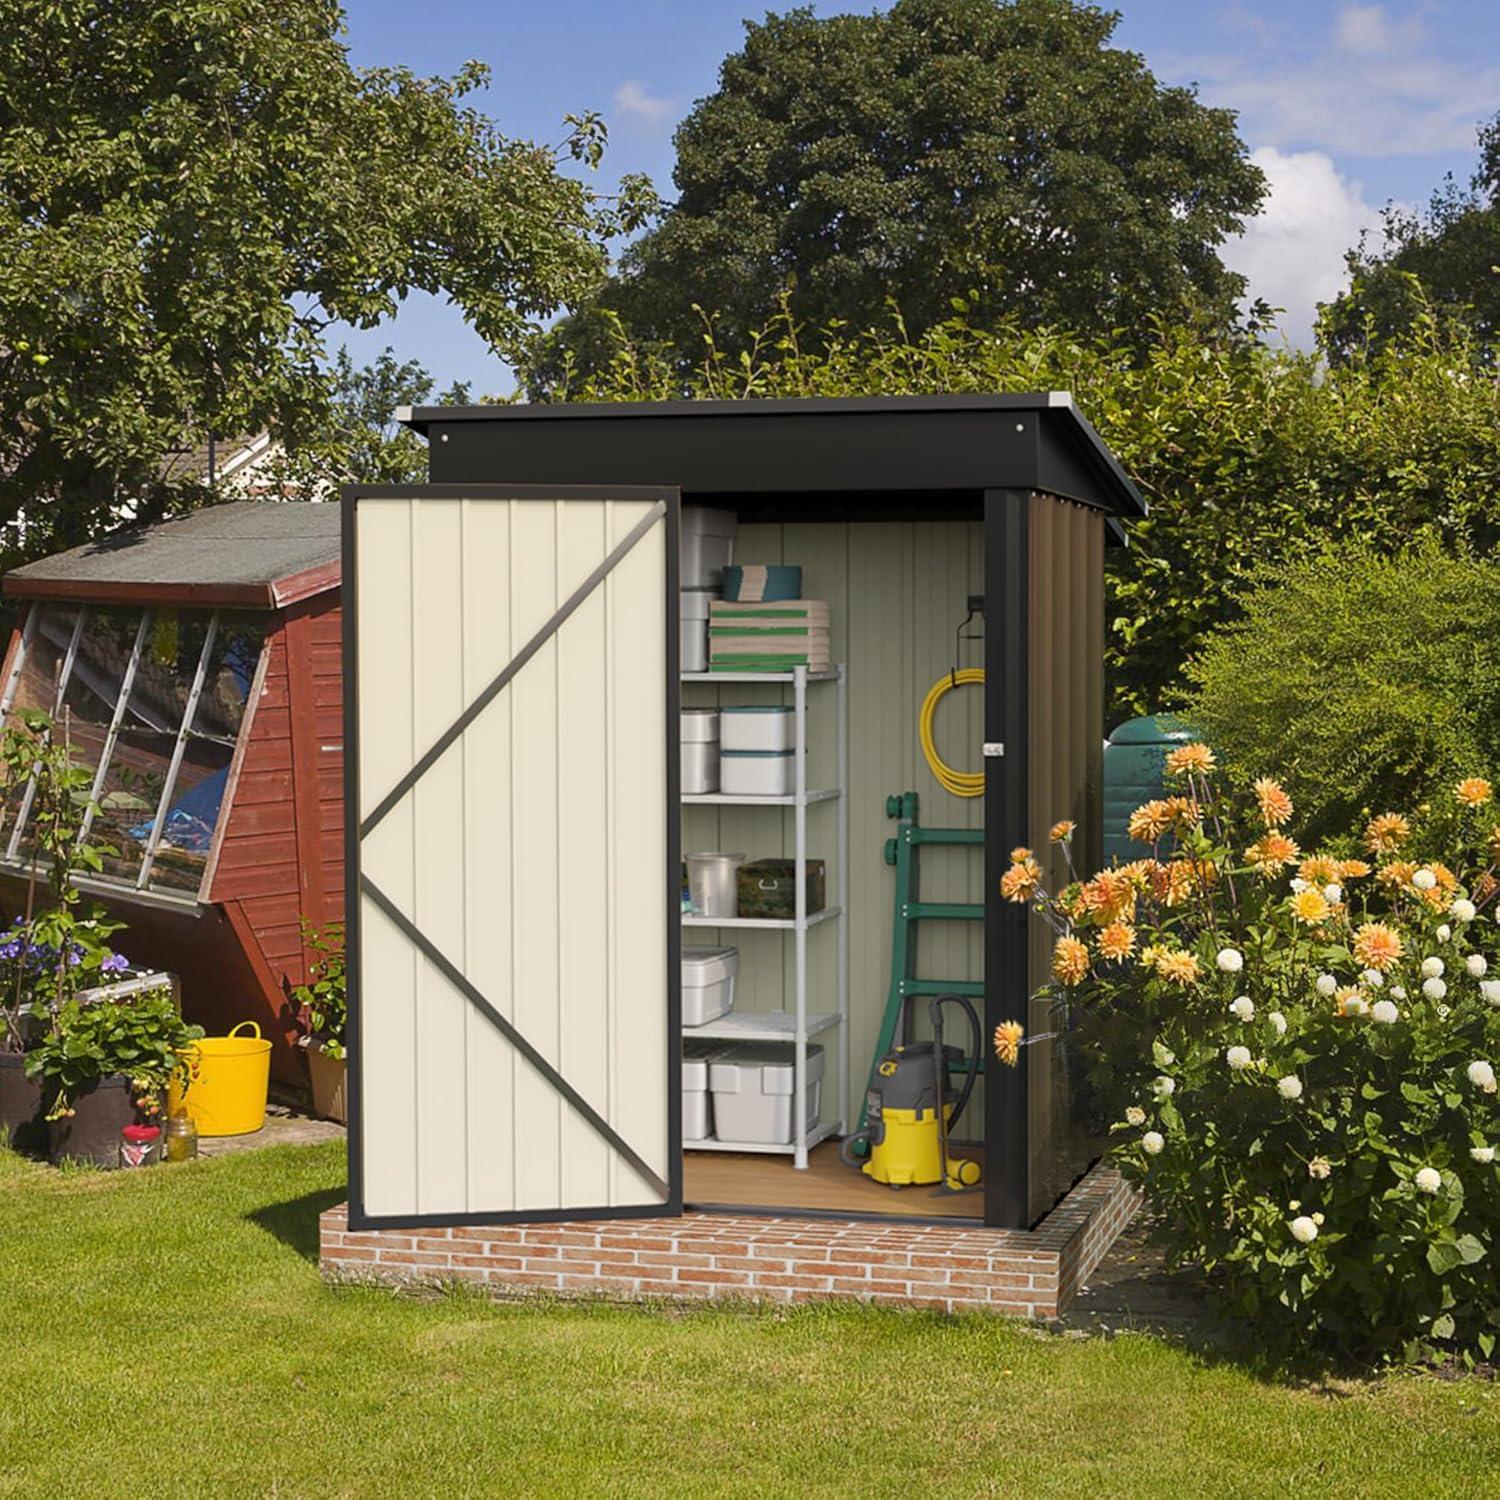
x=512 y=880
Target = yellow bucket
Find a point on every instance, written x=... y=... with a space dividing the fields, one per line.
x=226 y=1085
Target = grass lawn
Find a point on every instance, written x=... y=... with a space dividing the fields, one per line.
x=167 y=1333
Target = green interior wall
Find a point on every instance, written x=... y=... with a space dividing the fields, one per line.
x=897 y=591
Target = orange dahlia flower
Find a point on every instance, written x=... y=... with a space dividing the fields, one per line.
x=1377 y=946
x=1070 y=961
x=1275 y=805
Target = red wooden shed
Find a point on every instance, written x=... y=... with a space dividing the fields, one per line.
x=195 y=667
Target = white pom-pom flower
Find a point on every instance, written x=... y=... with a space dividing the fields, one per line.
x=1490 y=989
x=1304 y=1231
x=1477 y=965
x=1482 y=1075
x=1163 y=1086
x=1424 y=879
x=1243 y=1007
x=1152 y=1142
x=1434 y=989
x=1135 y=1115
x=1484 y=1155
x=1230 y=960
x=1289 y=1087
x=1398 y=992
x=1444 y=933
x=1298 y=885
x=1463 y=910
x=1320 y=1167
x=1428 y=1180
x=1385 y=1012
x=1372 y=979
x=1432 y=968
x=1333 y=893
x=1238 y=1058
x=1327 y=985
x=1278 y=1022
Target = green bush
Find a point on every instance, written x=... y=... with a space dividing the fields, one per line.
x=1244 y=451
x=1370 y=680
x=1300 y=1056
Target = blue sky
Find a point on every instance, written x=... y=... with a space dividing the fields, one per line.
x=1344 y=105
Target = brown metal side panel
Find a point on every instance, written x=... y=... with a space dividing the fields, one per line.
x=306 y=841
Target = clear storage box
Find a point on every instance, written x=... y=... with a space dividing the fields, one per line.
x=699 y=740
x=707 y=546
x=751 y=727
x=692 y=642
x=756 y=773
x=697 y=1109
x=753 y=1087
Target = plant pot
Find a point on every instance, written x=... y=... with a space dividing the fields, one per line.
x=328 y=1074
x=92 y=1133
x=23 y=1117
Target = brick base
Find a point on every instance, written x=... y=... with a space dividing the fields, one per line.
x=1031 y=1273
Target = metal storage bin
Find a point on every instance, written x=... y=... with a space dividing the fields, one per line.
x=707 y=546
x=708 y=976
x=753 y=727
x=768 y=888
x=753 y=1089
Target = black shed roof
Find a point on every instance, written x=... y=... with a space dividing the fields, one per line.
x=250 y=553
x=848 y=445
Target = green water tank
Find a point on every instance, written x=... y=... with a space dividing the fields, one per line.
x=1135 y=758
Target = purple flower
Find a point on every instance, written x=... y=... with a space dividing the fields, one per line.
x=116 y=963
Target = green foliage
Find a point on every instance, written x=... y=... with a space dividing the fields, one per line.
x=189 y=195
x=1303 y=1076
x=1444 y=260
x=1244 y=452
x=1372 y=681
x=139 y=1035
x=1001 y=151
x=60 y=943
x=362 y=442
x=324 y=996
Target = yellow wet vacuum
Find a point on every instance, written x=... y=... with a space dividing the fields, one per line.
x=912 y=1107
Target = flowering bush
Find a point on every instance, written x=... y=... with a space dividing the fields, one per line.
x=1300 y=1052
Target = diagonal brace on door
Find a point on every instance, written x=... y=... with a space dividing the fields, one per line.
x=450 y=972
x=443 y=742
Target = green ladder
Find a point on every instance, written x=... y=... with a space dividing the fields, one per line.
x=901 y=852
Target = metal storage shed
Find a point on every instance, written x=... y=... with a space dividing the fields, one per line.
x=511 y=717
x=196 y=665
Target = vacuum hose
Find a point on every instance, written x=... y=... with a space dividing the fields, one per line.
x=976 y=1034
x=958 y=783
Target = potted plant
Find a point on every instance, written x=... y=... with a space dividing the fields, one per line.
x=105 y=1060
x=323 y=1007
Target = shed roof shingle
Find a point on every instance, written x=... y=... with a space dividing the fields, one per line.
x=255 y=553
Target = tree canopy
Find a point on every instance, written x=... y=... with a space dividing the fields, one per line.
x=191 y=194
x=1445 y=259
x=999 y=151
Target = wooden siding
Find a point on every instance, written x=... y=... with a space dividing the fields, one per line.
x=1066 y=759
x=897 y=592
x=280 y=857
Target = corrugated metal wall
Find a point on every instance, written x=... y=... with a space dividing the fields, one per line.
x=897 y=592
x=1066 y=758
x=531 y=854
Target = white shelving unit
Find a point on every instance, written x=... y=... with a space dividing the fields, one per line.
x=797 y=1025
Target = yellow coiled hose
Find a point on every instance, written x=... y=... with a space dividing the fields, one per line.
x=959 y=783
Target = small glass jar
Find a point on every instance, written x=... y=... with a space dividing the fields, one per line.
x=182 y=1138
x=140 y=1145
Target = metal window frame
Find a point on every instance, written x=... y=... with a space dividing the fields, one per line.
x=354 y=829
x=122 y=700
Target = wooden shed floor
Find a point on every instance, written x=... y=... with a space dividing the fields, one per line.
x=727 y=1179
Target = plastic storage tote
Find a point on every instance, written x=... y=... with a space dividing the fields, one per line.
x=1135 y=771
x=752 y=1087
x=699 y=739
x=697 y=1111
x=768 y=888
x=756 y=773
x=751 y=727
x=707 y=546
x=708 y=976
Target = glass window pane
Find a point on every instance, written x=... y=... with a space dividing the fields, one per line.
x=37 y=686
x=198 y=796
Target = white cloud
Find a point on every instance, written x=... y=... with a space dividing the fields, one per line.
x=1369 y=29
x=1292 y=254
x=639 y=106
